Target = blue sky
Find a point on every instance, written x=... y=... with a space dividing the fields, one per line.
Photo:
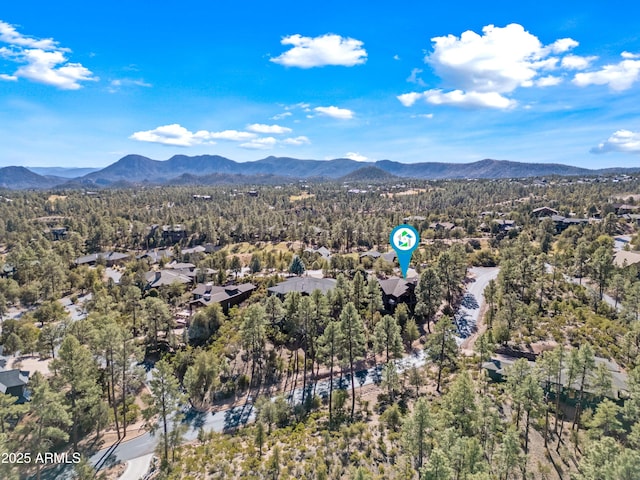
x=84 y=84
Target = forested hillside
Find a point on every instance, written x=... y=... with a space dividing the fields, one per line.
x=266 y=332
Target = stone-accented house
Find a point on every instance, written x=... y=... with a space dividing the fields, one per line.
x=14 y=382
x=228 y=296
x=398 y=290
x=304 y=285
x=110 y=258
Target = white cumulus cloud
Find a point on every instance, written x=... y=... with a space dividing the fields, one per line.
x=297 y=141
x=459 y=98
x=264 y=143
x=233 y=135
x=548 y=81
x=329 y=49
x=619 y=76
x=482 y=70
x=173 y=135
x=576 y=62
x=624 y=141
x=408 y=99
x=335 y=112
x=41 y=60
x=262 y=128
x=355 y=156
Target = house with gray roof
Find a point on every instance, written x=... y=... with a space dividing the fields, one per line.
x=304 y=285
x=228 y=296
x=322 y=251
x=163 y=278
x=110 y=258
x=14 y=382
x=397 y=290
x=498 y=369
x=154 y=256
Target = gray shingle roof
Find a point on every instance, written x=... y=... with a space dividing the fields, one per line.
x=12 y=378
x=303 y=285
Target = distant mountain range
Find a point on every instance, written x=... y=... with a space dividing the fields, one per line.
x=62 y=172
x=214 y=169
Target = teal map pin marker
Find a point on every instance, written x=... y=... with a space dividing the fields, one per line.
x=404 y=239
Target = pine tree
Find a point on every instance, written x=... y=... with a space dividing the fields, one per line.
x=164 y=402
x=441 y=346
x=353 y=344
x=428 y=296
x=75 y=368
x=297 y=266
x=388 y=338
x=532 y=396
x=461 y=409
x=253 y=334
x=48 y=421
x=330 y=342
x=260 y=437
x=437 y=468
x=586 y=364
x=416 y=433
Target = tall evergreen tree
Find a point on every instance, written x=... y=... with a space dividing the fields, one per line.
x=76 y=370
x=330 y=342
x=428 y=296
x=388 y=338
x=353 y=344
x=441 y=346
x=163 y=402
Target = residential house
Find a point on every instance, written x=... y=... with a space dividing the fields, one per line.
x=543 y=212
x=498 y=368
x=562 y=223
x=110 y=258
x=442 y=226
x=14 y=382
x=173 y=233
x=398 y=290
x=304 y=285
x=163 y=278
x=59 y=233
x=7 y=271
x=626 y=258
x=324 y=252
x=228 y=296
x=372 y=254
x=154 y=256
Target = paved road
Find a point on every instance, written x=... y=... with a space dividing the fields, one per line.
x=468 y=314
x=76 y=310
x=137 y=468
